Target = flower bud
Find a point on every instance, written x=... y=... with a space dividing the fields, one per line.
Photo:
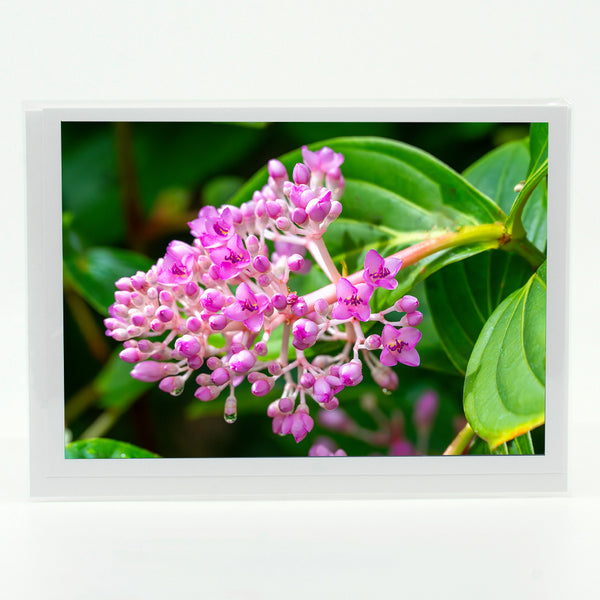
x=276 y=169
x=299 y=216
x=130 y=355
x=262 y=387
x=206 y=393
x=193 y=324
x=351 y=373
x=373 y=342
x=412 y=319
x=220 y=376
x=295 y=262
x=301 y=174
x=261 y=263
x=242 y=362
x=407 y=304
x=426 y=408
x=279 y=301
x=188 y=346
x=285 y=405
x=172 y=385
x=217 y=322
x=151 y=371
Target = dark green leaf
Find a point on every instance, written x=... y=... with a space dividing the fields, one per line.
x=497 y=173
x=504 y=393
x=94 y=272
x=90 y=182
x=395 y=196
x=105 y=448
x=521 y=445
x=115 y=386
x=538 y=145
x=479 y=447
x=463 y=295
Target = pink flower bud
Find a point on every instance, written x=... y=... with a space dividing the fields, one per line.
x=273 y=209
x=318 y=208
x=164 y=314
x=214 y=363
x=123 y=298
x=373 y=342
x=220 y=376
x=307 y=380
x=261 y=263
x=336 y=210
x=262 y=387
x=130 y=355
x=242 y=362
x=217 y=322
x=206 y=393
x=276 y=169
x=385 y=378
x=172 y=385
x=264 y=280
x=426 y=408
x=321 y=306
x=295 y=262
x=274 y=368
x=407 y=304
x=300 y=308
x=285 y=405
x=165 y=297
x=412 y=319
x=151 y=371
x=261 y=348
x=157 y=326
x=188 y=346
x=351 y=373
x=283 y=223
x=124 y=283
x=252 y=244
x=193 y=324
x=335 y=420
x=299 y=216
x=301 y=174
x=279 y=301
x=191 y=288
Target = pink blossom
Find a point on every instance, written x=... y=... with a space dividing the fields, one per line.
x=399 y=346
x=352 y=301
x=248 y=308
x=178 y=264
x=380 y=272
x=322 y=160
x=231 y=258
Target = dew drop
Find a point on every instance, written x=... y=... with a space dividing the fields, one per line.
x=386 y=391
x=230 y=417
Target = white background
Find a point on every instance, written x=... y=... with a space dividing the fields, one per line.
x=328 y=50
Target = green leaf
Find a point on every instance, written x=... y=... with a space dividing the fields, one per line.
x=504 y=394
x=93 y=273
x=396 y=195
x=538 y=146
x=105 y=448
x=462 y=296
x=498 y=172
x=521 y=445
x=115 y=386
x=90 y=182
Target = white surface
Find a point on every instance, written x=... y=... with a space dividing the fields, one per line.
x=530 y=548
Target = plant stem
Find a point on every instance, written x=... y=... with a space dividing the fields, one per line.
x=460 y=442
x=493 y=232
x=320 y=253
x=130 y=193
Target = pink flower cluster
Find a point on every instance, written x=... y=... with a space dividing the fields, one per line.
x=211 y=308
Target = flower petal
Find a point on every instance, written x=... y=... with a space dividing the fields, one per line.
x=409 y=357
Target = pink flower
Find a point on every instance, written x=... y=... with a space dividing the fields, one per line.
x=218 y=229
x=399 y=346
x=178 y=264
x=231 y=258
x=352 y=301
x=322 y=160
x=299 y=424
x=380 y=272
x=248 y=308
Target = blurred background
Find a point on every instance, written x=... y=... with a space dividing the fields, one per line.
x=129 y=189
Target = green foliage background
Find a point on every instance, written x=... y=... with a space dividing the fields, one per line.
x=130 y=188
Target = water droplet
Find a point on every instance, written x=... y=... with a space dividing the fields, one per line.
x=386 y=391
x=230 y=417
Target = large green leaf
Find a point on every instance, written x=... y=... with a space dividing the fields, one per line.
x=462 y=296
x=396 y=195
x=504 y=394
x=105 y=448
x=538 y=145
x=93 y=273
x=498 y=172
